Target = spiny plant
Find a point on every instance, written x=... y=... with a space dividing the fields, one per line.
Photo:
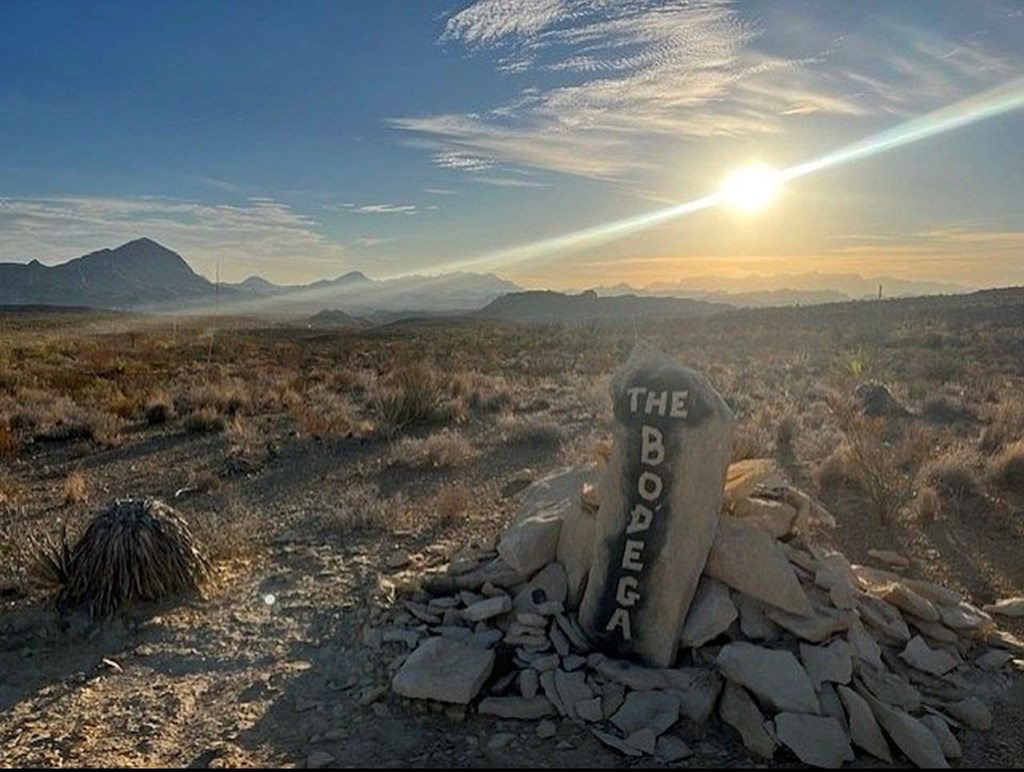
x=134 y=550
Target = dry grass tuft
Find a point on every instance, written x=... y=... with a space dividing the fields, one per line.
x=445 y=448
x=414 y=395
x=1007 y=469
x=205 y=420
x=953 y=473
x=452 y=504
x=928 y=505
x=75 y=488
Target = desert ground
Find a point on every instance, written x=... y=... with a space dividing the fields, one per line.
x=306 y=459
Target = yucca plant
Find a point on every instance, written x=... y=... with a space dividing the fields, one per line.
x=135 y=550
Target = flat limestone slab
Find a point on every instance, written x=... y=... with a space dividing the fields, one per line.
x=661 y=493
x=444 y=669
x=774 y=676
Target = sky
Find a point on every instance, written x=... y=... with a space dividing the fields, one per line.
x=300 y=141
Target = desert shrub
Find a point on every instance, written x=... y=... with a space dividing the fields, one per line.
x=942 y=366
x=786 y=430
x=928 y=504
x=9 y=444
x=443 y=449
x=205 y=420
x=1007 y=469
x=159 y=410
x=751 y=440
x=534 y=432
x=135 y=550
x=871 y=459
x=1005 y=425
x=323 y=415
x=838 y=469
x=953 y=473
x=75 y=489
x=452 y=504
x=413 y=395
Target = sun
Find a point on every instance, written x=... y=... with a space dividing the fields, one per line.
x=750 y=188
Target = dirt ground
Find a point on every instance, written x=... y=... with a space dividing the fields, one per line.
x=270 y=670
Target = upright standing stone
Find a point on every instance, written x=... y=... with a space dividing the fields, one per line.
x=660 y=498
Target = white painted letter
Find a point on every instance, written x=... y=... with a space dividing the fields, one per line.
x=679 y=404
x=631 y=555
x=639 y=519
x=634 y=397
x=620 y=619
x=656 y=399
x=650 y=486
x=627 y=595
x=652 y=448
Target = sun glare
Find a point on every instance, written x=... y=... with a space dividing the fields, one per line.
x=751 y=188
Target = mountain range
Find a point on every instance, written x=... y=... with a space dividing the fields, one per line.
x=144 y=275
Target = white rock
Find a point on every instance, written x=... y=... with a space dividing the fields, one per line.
x=816 y=740
x=749 y=560
x=884 y=618
x=864 y=729
x=934 y=661
x=644 y=740
x=1007 y=607
x=936 y=593
x=740 y=712
x=319 y=760
x=529 y=683
x=516 y=707
x=710 y=615
x=546 y=730
x=555 y=488
x=743 y=478
x=890 y=688
x=935 y=630
x=911 y=736
x=445 y=670
x=486 y=609
x=753 y=623
x=672 y=749
x=575 y=551
x=994 y=659
x=697 y=701
x=652 y=710
x=532 y=543
x=831 y=705
x=572 y=689
x=815 y=628
x=863 y=645
x=614 y=742
x=905 y=599
x=548 y=586
x=773 y=517
x=972 y=712
x=964 y=616
x=590 y=710
x=889 y=558
x=947 y=741
x=774 y=676
x=827 y=663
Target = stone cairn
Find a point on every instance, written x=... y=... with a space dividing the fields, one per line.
x=638 y=592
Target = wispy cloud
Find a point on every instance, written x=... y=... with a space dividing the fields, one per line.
x=260 y=236
x=509 y=182
x=375 y=208
x=612 y=78
x=440 y=191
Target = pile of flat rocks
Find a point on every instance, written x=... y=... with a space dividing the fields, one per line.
x=787 y=644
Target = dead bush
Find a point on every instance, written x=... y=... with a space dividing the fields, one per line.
x=953 y=473
x=159 y=410
x=871 y=459
x=206 y=420
x=75 y=489
x=536 y=433
x=1007 y=469
x=928 y=504
x=445 y=448
x=452 y=504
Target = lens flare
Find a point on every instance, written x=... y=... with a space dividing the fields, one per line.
x=986 y=104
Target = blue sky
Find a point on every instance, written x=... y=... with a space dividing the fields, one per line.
x=303 y=140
